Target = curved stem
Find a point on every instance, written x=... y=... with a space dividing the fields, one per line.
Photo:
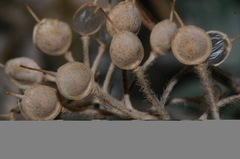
x=101 y=50
x=172 y=83
x=108 y=76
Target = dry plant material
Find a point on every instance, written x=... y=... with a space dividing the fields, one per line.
x=125 y=16
x=40 y=102
x=21 y=77
x=51 y=36
x=86 y=21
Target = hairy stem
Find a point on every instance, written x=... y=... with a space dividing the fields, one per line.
x=204 y=75
x=150 y=94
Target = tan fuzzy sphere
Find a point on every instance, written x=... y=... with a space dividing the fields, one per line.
x=126 y=50
x=74 y=80
x=162 y=35
x=52 y=37
x=191 y=45
x=41 y=103
x=125 y=16
x=21 y=77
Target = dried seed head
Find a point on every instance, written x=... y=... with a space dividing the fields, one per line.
x=21 y=77
x=221 y=47
x=40 y=102
x=125 y=16
x=191 y=45
x=126 y=50
x=74 y=80
x=162 y=35
x=52 y=37
x=87 y=19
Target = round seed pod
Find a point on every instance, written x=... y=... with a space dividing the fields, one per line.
x=74 y=80
x=52 y=37
x=21 y=77
x=221 y=47
x=191 y=45
x=162 y=35
x=125 y=16
x=126 y=50
x=88 y=19
x=41 y=102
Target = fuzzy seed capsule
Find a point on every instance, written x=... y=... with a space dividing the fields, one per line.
x=162 y=35
x=74 y=80
x=126 y=50
x=41 y=103
x=125 y=16
x=191 y=45
x=21 y=77
x=52 y=37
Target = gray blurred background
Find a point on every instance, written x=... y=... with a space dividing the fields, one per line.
x=16 y=26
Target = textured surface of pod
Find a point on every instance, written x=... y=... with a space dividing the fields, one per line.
x=41 y=103
x=52 y=37
x=191 y=45
x=21 y=77
x=126 y=50
x=162 y=35
x=125 y=16
x=74 y=80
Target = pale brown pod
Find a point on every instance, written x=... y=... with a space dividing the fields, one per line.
x=74 y=80
x=40 y=102
x=23 y=78
x=126 y=50
x=52 y=37
x=125 y=16
x=191 y=45
x=161 y=36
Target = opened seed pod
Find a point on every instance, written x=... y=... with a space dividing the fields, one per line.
x=162 y=35
x=74 y=80
x=87 y=19
x=125 y=16
x=23 y=78
x=40 y=102
x=221 y=47
x=126 y=50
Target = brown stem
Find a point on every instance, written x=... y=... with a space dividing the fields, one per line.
x=204 y=76
x=150 y=94
x=85 y=41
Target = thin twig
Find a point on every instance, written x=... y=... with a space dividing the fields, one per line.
x=101 y=50
x=108 y=76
